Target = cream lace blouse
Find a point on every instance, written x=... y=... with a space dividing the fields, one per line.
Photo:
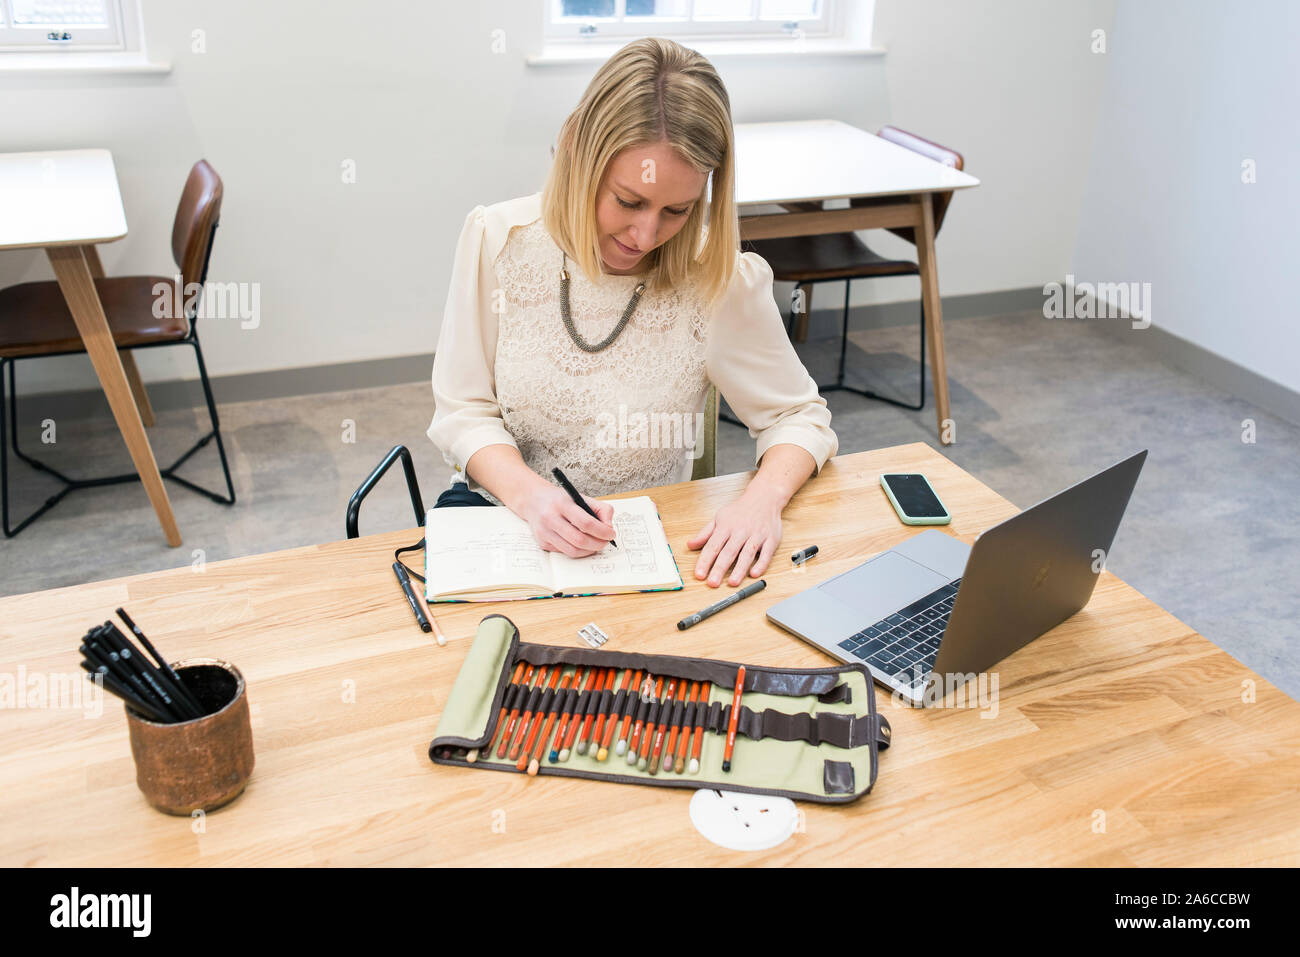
x=624 y=418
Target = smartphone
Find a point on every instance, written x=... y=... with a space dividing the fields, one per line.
x=913 y=499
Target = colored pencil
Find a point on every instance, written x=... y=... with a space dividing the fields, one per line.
x=505 y=704
x=566 y=714
x=602 y=705
x=735 y=716
x=509 y=728
x=578 y=709
x=552 y=715
x=540 y=716
x=602 y=751
x=534 y=696
x=701 y=708
x=642 y=708
x=665 y=713
x=671 y=761
x=593 y=705
x=651 y=721
x=629 y=712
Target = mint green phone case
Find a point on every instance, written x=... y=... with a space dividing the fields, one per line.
x=907 y=520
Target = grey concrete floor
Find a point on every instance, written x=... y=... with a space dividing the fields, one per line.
x=1212 y=533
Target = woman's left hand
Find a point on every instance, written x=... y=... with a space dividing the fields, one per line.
x=744 y=534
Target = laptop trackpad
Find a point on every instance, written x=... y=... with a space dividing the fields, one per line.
x=883 y=586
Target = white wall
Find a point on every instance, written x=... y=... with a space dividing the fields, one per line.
x=437 y=122
x=1012 y=86
x=1196 y=88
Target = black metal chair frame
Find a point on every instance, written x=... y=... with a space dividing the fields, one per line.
x=9 y=429
x=412 y=488
x=839 y=384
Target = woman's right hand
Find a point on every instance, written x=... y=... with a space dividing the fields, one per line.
x=559 y=525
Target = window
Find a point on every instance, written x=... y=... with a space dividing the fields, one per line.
x=749 y=19
x=33 y=26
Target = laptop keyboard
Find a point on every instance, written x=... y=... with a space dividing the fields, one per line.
x=906 y=642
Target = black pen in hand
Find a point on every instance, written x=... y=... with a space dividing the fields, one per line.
x=577 y=497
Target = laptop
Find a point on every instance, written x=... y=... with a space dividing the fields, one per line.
x=932 y=613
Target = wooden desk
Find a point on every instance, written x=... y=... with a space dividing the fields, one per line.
x=799 y=165
x=67 y=201
x=1122 y=710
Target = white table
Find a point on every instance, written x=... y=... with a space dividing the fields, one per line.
x=66 y=201
x=799 y=165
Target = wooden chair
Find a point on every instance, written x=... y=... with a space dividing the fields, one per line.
x=35 y=323
x=706 y=466
x=807 y=260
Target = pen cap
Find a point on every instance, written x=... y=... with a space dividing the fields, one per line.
x=202 y=763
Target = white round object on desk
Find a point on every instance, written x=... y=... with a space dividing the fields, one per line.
x=743 y=822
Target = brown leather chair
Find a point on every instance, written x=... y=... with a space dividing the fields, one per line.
x=35 y=322
x=807 y=260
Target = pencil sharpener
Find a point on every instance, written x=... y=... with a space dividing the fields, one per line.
x=203 y=763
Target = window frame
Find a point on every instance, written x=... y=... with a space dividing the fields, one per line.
x=121 y=34
x=619 y=27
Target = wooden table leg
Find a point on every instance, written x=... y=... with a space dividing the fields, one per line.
x=128 y=358
x=73 y=272
x=142 y=403
x=933 y=316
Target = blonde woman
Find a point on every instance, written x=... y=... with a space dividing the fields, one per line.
x=585 y=323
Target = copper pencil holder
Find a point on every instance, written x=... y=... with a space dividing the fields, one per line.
x=203 y=763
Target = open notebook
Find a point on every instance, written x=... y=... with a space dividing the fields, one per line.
x=478 y=553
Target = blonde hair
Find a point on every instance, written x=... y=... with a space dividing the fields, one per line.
x=650 y=91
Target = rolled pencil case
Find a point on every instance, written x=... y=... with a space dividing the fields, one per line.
x=810 y=734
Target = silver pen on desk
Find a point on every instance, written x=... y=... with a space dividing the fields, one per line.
x=713 y=609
